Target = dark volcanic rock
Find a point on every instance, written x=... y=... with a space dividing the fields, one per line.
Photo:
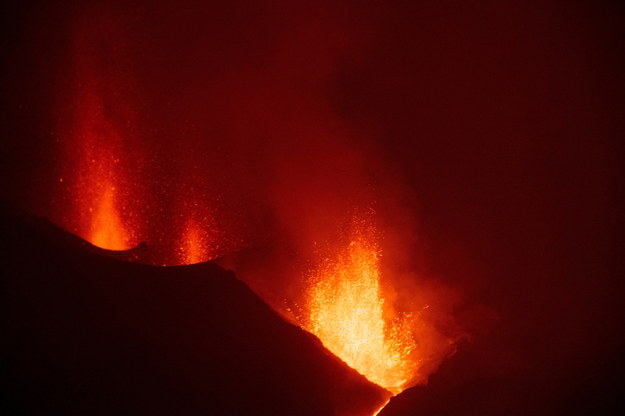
x=492 y=377
x=84 y=333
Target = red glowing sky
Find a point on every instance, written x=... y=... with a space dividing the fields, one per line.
x=491 y=133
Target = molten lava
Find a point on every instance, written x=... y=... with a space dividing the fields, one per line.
x=98 y=197
x=96 y=121
x=107 y=230
x=195 y=246
x=347 y=312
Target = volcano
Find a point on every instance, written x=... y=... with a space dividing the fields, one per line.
x=86 y=333
x=433 y=190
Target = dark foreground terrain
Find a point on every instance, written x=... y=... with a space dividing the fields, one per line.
x=85 y=333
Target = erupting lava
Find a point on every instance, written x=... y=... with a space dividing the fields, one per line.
x=195 y=247
x=107 y=230
x=96 y=120
x=347 y=312
x=98 y=195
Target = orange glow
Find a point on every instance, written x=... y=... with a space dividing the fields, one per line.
x=107 y=230
x=347 y=312
x=377 y=412
x=195 y=248
x=97 y=121
x=99 y=200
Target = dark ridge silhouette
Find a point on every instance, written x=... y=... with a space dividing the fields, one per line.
x=490 y=377
x=84 y=333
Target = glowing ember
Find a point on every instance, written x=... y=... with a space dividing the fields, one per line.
x=347 y=312
x=107 y=230
x=96 y=120
x=98 y=198
x=195 y=248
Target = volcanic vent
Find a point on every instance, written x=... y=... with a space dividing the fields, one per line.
x=346 y=310
x=299 y=143
x=168 y=164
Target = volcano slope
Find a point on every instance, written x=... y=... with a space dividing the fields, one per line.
x=85 y=333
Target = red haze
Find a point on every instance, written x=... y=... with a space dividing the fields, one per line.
x=266 y=124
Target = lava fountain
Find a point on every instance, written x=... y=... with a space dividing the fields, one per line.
x=98 y=182
x=348 y=312
x=196 y=246
x=107 y=230
x=96 y=121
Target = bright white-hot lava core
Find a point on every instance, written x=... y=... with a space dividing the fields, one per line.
x=346 y=310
